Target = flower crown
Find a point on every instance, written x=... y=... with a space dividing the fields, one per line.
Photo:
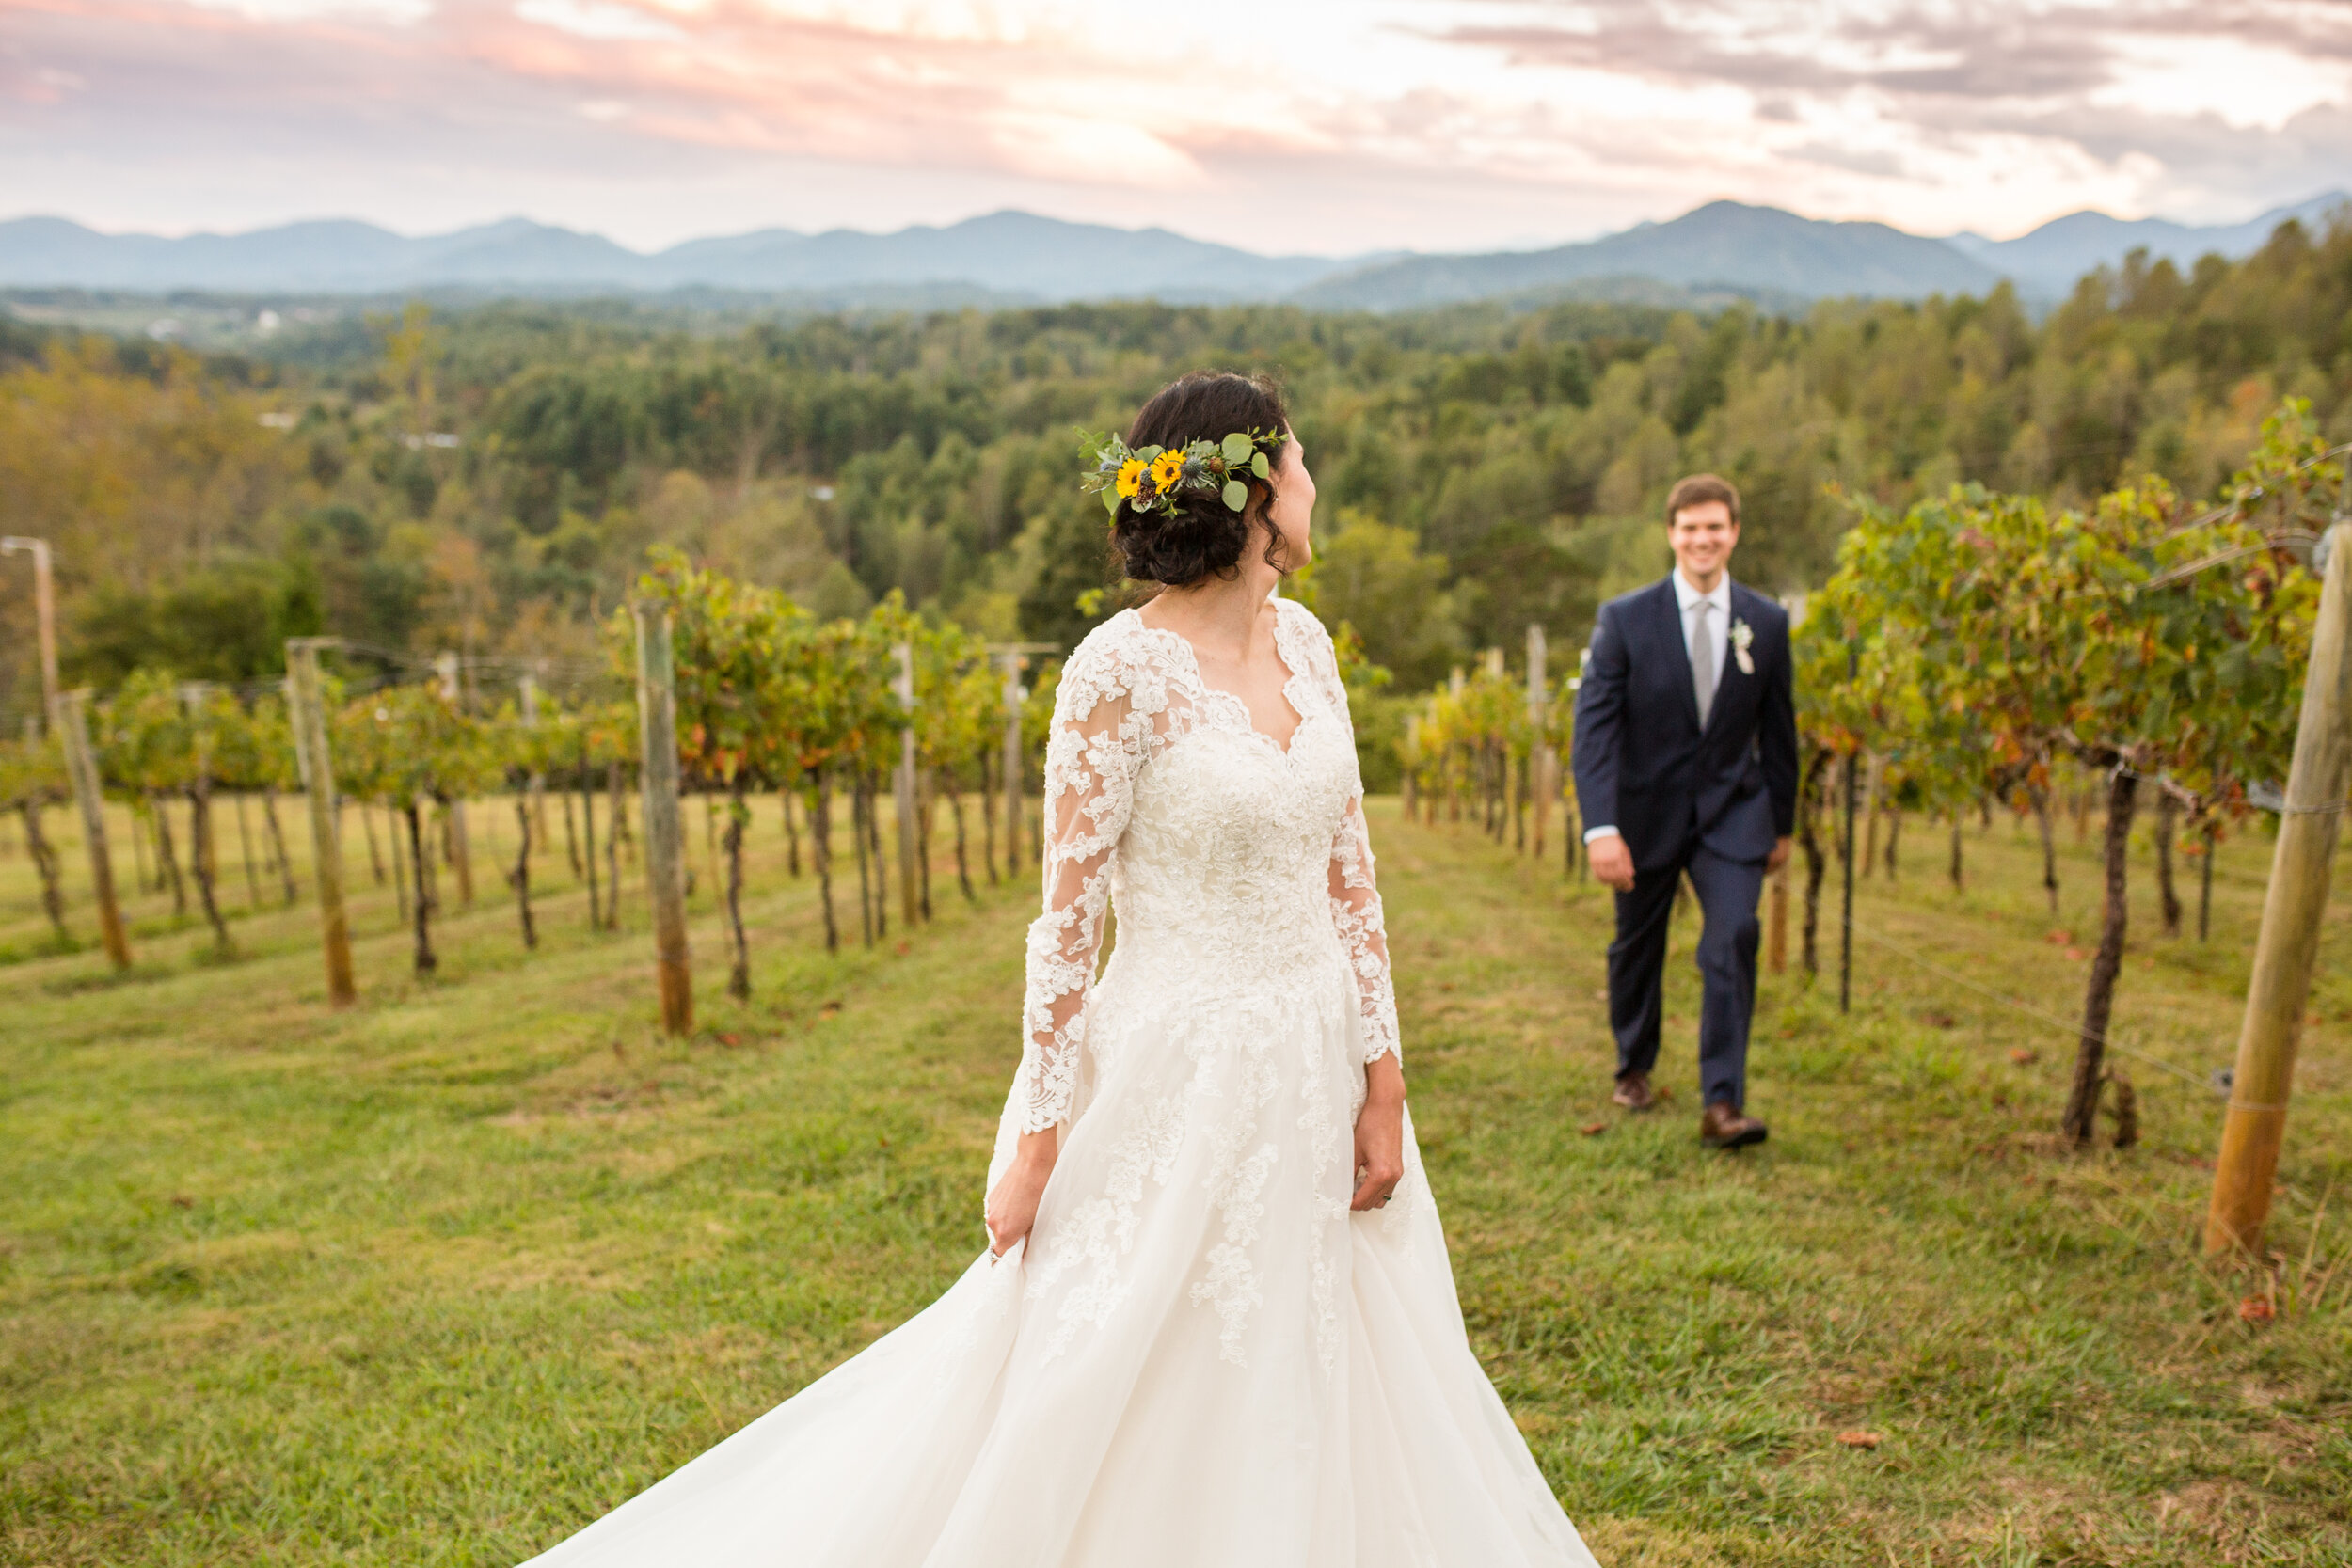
x=1155 y=479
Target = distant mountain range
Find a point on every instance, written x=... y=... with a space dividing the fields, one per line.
x=1761 y=250
x=2048 y=262
x=1722 y=250
x=1764 y=252
x=1013 y=254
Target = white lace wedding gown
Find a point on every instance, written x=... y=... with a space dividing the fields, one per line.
x=1204 y=1360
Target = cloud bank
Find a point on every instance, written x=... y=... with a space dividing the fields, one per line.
x=1311 y=125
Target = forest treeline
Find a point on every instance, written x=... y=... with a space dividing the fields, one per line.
x=489 y=482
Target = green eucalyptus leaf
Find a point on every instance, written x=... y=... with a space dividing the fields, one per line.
x=1237 y=447
x=1236 y=494
x=1257 y=465
x=1110 y=501
x=1147 y=453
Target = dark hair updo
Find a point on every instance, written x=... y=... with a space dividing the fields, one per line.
x=1204 y=537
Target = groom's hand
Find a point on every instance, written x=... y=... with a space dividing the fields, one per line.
x=1612 y=862
x=1779 y=857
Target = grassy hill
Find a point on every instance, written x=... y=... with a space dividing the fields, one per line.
x=435 y=1280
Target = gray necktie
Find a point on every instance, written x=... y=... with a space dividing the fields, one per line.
x=1703 y=660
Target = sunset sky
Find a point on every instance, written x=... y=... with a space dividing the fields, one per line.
x=1281 y=125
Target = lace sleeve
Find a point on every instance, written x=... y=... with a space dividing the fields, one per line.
x=1091 y=753
x=1356 y=910
x=1355 y=891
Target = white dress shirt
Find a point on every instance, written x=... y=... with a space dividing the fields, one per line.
x=1719 y=626
x=1718 y=616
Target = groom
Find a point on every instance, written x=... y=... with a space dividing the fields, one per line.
x=1686 y=761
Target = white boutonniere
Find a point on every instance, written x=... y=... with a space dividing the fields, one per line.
x=1741 y=635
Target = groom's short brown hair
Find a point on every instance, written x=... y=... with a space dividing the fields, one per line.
x=1699 y=489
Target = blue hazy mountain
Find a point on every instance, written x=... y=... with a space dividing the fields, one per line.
x=2047 y=262
x=1015 y=253
x=1769 y=255
x=1010 y=253
x=1720 y=251
x=1760 y=250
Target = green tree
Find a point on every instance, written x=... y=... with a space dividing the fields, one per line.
x=1375 y=576
x=2145 y=645
x=227 y=623
x=729 y=643
x=1076 y=574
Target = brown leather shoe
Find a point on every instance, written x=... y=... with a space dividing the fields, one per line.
x=1725 y=1126
x=1634 y=1093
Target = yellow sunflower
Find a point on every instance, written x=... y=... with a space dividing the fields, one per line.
x=1131 y=478
x=1165 y=469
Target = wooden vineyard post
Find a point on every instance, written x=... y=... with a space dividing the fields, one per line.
x=1845 y=925
x=537 y=785
x=307 y=701
x=460 y=848
x=1845 y=919
x=1412 y=747
x=1777 y=929
x=1777 y=933
x=903 y=791
x=2254 y=1126
x=1009 y=775
x=665 y=835
x=1539 y=758
x=74 y=727
x=1008 y=781
x=203 y=835
x=44 y=619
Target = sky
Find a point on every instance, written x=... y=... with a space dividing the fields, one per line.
x=1329 y=127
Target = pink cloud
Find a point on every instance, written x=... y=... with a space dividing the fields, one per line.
x=1360 y=123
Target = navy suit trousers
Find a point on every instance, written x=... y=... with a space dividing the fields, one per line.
x=1727 y=891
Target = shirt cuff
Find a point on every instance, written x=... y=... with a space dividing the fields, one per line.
x=1591 y=833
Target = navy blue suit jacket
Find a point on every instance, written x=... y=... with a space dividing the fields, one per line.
x=1641 y=761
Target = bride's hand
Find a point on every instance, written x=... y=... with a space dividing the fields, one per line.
x=1380 y=1135
x=1012 y=1206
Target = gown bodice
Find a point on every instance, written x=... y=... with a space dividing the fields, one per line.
x=1235 y=867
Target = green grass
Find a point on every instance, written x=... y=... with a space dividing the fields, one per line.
x=437 y=1280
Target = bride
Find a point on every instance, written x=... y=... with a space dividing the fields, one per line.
x=1216 y=1326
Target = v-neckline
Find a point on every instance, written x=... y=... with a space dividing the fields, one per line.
x=1250 y=720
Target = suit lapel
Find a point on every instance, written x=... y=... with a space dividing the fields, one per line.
x=1726 y=660
x=1668 y=619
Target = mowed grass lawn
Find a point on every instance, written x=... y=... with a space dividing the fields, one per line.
x=438 y=1279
